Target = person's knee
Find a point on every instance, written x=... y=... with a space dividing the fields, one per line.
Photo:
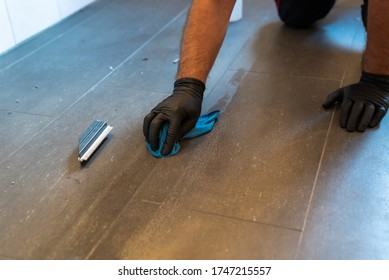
x=303 y=13
x=297 y=20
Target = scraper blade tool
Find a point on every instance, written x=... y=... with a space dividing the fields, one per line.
x=92 y=138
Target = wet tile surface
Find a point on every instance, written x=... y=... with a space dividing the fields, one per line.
x=239 y=174
x=319 y=51
x=276 y=178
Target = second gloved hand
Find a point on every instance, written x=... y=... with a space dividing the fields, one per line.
x=363 y=104
x=181 y=110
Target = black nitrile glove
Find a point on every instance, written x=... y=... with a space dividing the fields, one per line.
x=364 y=104
x=181 y=110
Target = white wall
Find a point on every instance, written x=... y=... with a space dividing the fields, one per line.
x=21 y=19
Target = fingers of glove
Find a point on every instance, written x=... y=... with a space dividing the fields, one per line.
x=146 y=123
x=186 y=127
x=354 y=116
x=171 y=137
x=336 y=96
x=367 y=115
x=378 y=115
x=155 y=128
x=345 y=111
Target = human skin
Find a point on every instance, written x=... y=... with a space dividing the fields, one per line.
x=376 y=55
x=203 y=36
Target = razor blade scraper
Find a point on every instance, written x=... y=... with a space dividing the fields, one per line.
x=92 y=138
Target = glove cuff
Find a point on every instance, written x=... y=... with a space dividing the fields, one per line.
x=194 y=85
x=378 y=80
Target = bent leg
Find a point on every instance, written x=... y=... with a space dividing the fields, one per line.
x=302 y=13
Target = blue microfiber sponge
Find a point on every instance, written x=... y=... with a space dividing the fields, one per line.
x=204 y=125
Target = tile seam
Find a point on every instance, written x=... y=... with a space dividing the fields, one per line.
x=43 y=45
x=316 y=178
x=243 y=220
x=100 y=81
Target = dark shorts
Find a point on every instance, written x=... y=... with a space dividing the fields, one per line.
x=302 y=13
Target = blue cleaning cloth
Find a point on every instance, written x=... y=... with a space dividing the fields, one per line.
x=204 y=125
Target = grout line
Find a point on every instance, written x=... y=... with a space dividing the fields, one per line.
x=37 y=49
x=317 y=174
x=314 y=185
x=26 y=113
x=45 y=44
x=151 y=202
x=113 y=223
x=316 y=78
x=115 y=220
x=285 y=74
x=99 y=82
x=136 y=89
x=242 y=220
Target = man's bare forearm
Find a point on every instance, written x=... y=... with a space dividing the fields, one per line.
x=203 y=36
x=376 y=56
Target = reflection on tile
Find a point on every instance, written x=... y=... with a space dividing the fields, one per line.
x=320 y=51
x=147 y=232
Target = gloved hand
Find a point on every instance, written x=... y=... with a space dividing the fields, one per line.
x=364 y=104
x=181 y=110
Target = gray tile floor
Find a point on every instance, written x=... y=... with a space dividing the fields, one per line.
x=276 y=179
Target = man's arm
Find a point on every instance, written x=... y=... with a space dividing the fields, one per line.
x=376 y=56
x=203 y=36
x=365 y=103
x=204 y=33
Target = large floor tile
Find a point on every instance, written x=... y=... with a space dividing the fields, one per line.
x=53 y=207
x=50 y=35
x=348 y=218
x=349 y=213
x=54 y=77
x=259 y=186
x=260 y=161
x=146 y=231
